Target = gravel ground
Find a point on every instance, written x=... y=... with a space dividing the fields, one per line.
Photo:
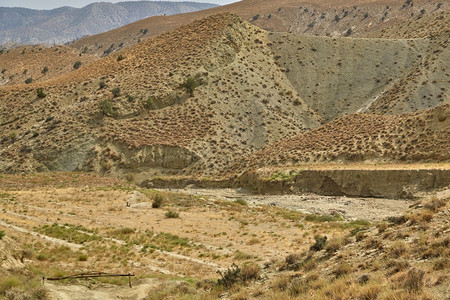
x=370 y=209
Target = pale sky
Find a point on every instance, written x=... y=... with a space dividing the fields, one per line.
x=50 y=4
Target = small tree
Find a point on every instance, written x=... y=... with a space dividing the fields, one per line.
x=77 y=64
x=191 y=84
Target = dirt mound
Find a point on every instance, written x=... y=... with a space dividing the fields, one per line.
x=421 y=136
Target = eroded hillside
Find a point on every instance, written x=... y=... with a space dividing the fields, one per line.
x=190 y=100
x=423 y=136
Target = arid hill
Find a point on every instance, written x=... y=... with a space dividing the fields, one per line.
x=38 y=63
x=210 y=94
x=190 y=100
x=358 y=18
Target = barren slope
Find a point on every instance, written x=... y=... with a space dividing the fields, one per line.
x=242 y=103
x=423 y=136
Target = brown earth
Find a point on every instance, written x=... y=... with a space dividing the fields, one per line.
x=21 y=63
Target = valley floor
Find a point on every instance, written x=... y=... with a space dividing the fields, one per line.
x=175 y=241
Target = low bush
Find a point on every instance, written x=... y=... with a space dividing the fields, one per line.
x=319 y=244
x=172 y=214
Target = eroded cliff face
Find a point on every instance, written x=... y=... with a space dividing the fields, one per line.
x=388 y=183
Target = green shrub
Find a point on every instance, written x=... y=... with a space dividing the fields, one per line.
x=120 y=57
x=82 y=257
x=157 y=201
x=2 y=234
x=172 y=214
x=40 y=93
x=319 y=244
x=191 y=84
x=77 y=64
x=116 y=92
x=149 y=103
x=101 y=84
x=106 y=107
x=44 y=70
x=230 y=277
x=130 y=98
x=241 y=201
x=29 y=80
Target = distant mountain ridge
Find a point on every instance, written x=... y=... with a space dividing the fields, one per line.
x=64 y=24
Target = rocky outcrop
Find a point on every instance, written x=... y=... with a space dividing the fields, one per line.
x=355 y=183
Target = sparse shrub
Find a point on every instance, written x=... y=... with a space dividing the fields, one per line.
x=77 y=64
x=130 y=98
x=3 y=71
x=230 y=277
x=349 y=32
x=250 y=271
x=116 y=92
x=40 y=93
x=2 y=234
x=281 y=283
x=129 y=177
x=255 y=17
x=191 y=84
x=397 y=249
x=157 y=201
x=441 y=264
x=44 y=70
x=414 y=280
x=29 y=80
x=434 y=204
x=149 y=103
x=382 y=227
x=292 y=262
x=8 y=283
x=82 y=257
x=366 y=15
x=333 y=245
x=319 y=244
x=172 y=214
x=125 y=230
x=120 y=57
x=342 y=269
x=337 y=18
x=101 y=84
x=241 y=202
x=106 y=107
